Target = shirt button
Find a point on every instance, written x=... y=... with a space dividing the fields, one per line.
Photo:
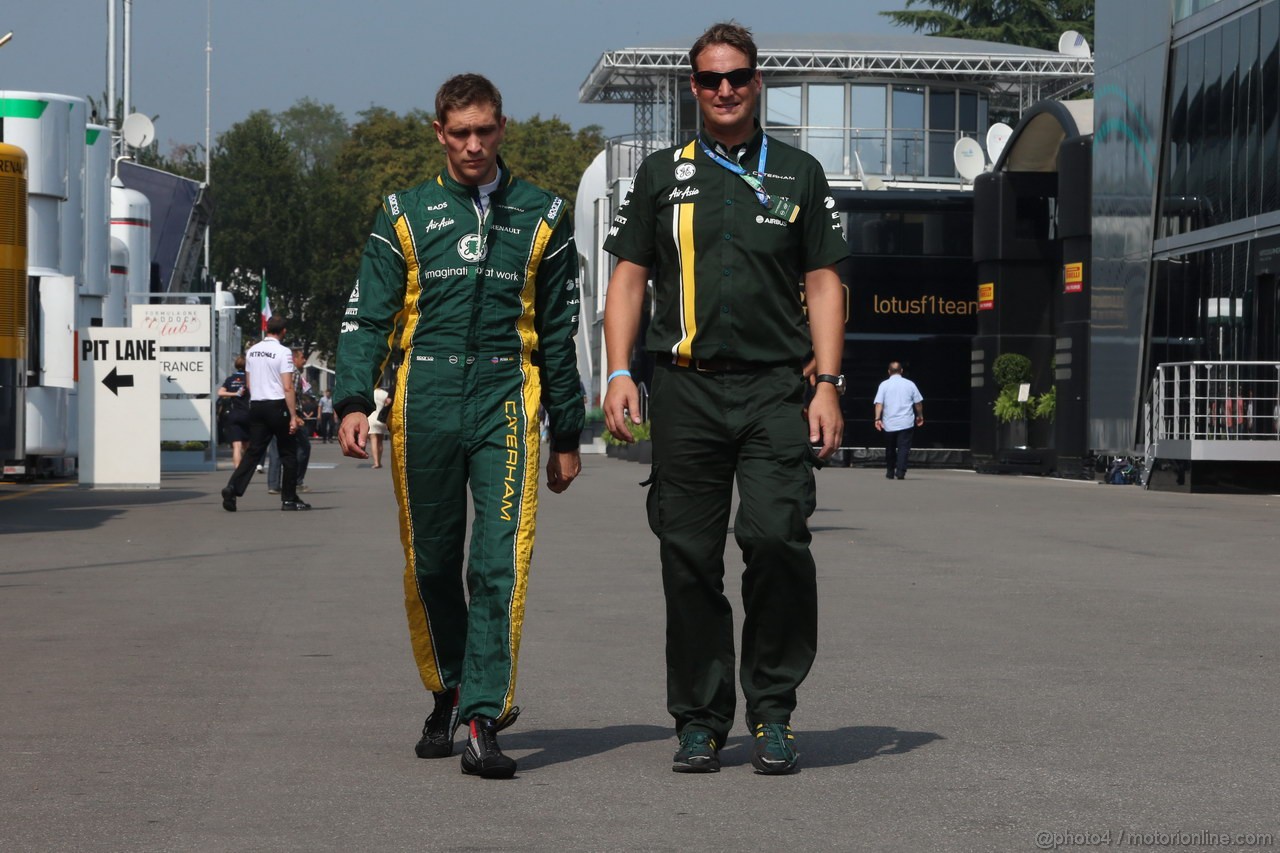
x=728 y=236
x=724 y=309
x=728 y=201
x=728 y=271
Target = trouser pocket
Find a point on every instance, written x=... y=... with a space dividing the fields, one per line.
x=653 y=501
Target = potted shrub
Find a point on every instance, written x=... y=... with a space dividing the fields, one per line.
x=595 y=425
x=1011 y=372
x=613 y=447
x=642 y=450
x=183 y=455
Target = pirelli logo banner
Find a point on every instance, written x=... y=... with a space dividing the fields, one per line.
x=987 y=296
x=1073 y=277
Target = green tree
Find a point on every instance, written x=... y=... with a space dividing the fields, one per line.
x=316 y=132
x=549 y=153
x=295 y=192
x=259 y=221
x=1030 y=23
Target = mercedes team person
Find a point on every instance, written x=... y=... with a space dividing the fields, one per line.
x=475 y=273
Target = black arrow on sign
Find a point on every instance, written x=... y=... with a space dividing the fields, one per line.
x=114 y=381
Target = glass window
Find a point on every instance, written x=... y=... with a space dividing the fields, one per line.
x=868 y=128
x=1194 y=140
x=1245 y=200
x=942 y=136
x=907 y=142
x=826 y=126
x=782 y=106
x=688 y=114
x=969 y=112
x=1177 y=148
x=1269 y=167
x=1210 y=184
x=1230 y=185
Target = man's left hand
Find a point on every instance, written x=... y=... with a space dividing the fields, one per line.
x=562 y=469
x=826 y=422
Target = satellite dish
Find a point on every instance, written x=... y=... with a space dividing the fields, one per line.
x=968 y=157
x=1071 y=43
x=997 y=135
x=138 y=131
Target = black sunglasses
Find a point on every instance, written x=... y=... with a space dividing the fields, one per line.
x=737 y=78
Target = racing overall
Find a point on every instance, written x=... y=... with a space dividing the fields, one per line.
x=483 y=302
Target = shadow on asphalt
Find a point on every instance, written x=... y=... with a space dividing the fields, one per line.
x=818 y=749
x=556 y=746
x=72 y=508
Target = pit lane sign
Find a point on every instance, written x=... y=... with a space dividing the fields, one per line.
x=119 y=408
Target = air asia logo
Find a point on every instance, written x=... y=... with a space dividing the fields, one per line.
x=438 y=224
x=684 y=192
x=685 y=171
x=472 y=248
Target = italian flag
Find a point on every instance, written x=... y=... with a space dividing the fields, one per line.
x=266 y=304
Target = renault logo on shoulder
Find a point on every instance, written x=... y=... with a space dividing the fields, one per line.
x=472 y=248
x=685 y=171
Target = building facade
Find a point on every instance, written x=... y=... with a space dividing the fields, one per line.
x=883 y=114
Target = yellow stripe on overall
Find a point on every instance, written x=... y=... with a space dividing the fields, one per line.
x=531 y=394
x=424 y=647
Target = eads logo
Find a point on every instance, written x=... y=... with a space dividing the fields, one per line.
x=472 y=248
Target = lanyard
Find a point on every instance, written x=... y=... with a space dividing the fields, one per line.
x=751 y=180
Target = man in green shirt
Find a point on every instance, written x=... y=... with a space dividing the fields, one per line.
x=728 y=226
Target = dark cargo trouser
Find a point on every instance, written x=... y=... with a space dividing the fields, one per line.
x=707 y=427
x=268 y=419
x=454 y=423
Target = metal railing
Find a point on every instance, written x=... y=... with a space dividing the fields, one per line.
x=1197 y=405
x=845 y=152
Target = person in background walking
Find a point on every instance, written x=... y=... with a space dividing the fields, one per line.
x=301 y=390
x=236 y=390
x=273 y=411
x=899 y=410
x=328 y=426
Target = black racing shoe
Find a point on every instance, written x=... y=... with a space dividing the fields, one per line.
x=774 y=751
x=482 y=757
x=291 y=506
x=437 y=731
x=229 y=499
x=698 y=753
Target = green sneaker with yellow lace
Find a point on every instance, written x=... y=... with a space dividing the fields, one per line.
x=698 y=753
x=773 y=752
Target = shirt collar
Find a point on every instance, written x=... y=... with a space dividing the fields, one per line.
x=504 y=180
x=746 y=152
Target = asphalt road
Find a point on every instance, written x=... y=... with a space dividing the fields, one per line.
x=1005 y=664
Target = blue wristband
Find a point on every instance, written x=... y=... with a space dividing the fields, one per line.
x=616 y=374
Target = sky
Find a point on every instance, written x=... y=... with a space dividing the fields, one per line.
x=269 y=54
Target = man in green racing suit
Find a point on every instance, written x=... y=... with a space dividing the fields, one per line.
x=473 y=276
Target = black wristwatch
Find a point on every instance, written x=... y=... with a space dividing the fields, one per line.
x=837 y=381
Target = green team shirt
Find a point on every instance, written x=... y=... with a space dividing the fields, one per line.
x=728 y=272
x=441 y=275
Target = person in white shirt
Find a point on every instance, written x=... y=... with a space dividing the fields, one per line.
x=899 y=410
x=273 y=413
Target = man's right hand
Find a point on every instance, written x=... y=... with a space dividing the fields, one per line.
x=353 y=435
x=621 y=408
